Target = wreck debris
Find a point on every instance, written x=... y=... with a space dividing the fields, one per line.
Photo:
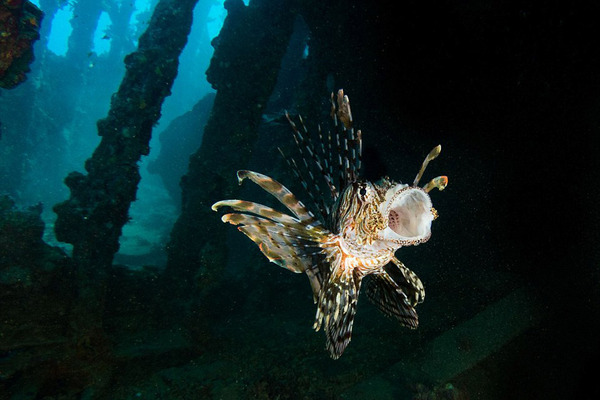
x=19 y=28
x=93 y=217
x=36 y=289
x=244 y=71
x=177 y=141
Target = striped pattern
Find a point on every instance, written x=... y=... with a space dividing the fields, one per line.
x=390 y=299
x=340 y=245
x=413 y=287
x=337 y=305
x=290 y=242
x=349 y=143
x=343 y=150
x=321 y=161
x=281 y=193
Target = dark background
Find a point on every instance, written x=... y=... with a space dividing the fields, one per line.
x=511 y=90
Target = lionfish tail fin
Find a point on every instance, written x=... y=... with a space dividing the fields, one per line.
x=337 y=308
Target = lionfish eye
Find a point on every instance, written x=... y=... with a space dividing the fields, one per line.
x=362 y=191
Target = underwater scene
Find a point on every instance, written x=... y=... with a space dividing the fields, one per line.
x=299 y=199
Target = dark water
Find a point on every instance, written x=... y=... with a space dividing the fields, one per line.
x=511 y=271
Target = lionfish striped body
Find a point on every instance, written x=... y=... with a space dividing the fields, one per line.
x=352 y=237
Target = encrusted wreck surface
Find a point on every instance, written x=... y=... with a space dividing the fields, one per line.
x=92 y=218
x=244 y=71
x=177 y=142
x=43 y=353
x=36 y=292
x=19 y=25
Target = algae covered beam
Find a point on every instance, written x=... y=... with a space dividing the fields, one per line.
x=92 y=218
x=243 y=70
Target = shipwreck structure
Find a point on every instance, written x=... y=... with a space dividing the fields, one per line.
x=20 y=22
x=473 y=78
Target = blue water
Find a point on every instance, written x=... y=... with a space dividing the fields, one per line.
x=188 y=89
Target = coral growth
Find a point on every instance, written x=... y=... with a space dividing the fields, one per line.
x=19 y=25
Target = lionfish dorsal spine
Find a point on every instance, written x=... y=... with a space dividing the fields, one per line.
x=303 y=143
x=355 y=153
x=358 y=150
x=326 y=164
x=317 y=200
x=341 y=176
x=321 y=163
x=330 y=155
x=349 y=143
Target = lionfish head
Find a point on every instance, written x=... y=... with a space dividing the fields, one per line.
x=393 y=213
x=408 y=209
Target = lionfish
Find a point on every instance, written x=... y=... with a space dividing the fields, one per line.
x=353 y=236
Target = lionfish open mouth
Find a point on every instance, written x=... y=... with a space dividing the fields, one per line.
x=409 y=214
x=409 y=210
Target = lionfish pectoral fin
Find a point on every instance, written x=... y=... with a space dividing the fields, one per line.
x=289 y=245
x=390 y=299
x=281 y=193
x=290 y=242
x=336 y=310
x=409 y=282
